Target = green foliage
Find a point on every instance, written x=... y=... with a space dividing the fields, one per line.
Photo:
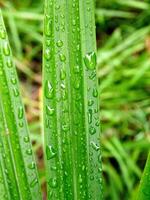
x=125 y=107
x=123 y=63
x=18 y=173
x=144 y=192
x=71 y=118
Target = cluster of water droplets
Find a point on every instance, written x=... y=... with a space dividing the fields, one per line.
x=93 y=119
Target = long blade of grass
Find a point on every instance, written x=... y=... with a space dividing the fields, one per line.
x=144 y=191
x=17 y=165
x=71 y=122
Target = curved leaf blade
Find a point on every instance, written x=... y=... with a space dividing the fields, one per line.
x=71 y=117
x=18 y=168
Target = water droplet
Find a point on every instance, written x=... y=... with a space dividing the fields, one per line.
x=76 y=69
x=59 y=43
x=9 y=63
x=100 y=158
x=93 y=75
x=48 y=42
x=80 y=178
x=34 y=182
x=29 y=151
x=50 y=152
x=77 y=83
x=16 y=92
x=2 y=33
x=74 y=22
x=91 y=177
x=90 y=116
x=54 y=168
x=53 y=182
x=47 y=53
x=49 y=91
x=90 y=102
x=90 y=60
x=49 y=110
x=97 y=123
x=95 y=146
x=100 y=169
x=62 y=57
x=95 y=92
x=26 y=139
x=20 y=112
x=48 y=26
x=65 y=127
x=32 y=165
x=13 y=81
x=62 y=74
x=57 y=7
x=92 y=130
x=6 y=49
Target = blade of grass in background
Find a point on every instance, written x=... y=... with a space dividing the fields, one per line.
x=71 y=117
x=18 y=171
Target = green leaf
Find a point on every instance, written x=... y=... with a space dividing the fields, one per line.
x=144 y=187
x=18 y=171
x=71 y=117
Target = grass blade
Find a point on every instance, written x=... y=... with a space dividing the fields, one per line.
x=71 y=118
x=144 y=192
x=17 y=164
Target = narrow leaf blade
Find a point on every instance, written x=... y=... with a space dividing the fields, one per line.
x=17 y=161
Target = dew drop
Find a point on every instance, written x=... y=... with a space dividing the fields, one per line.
x=59 y=43
x=62 y=74
x=13 y=81
x=95 y=146
x=65 y=127
x=47 y=54
x=76 y=69
x=62 y=57
x=48 y=42
x=54 y=168
x=53 y=182
x=97 y=123
x=48 y=26
x=80 y=178
x=49 y=91
x=50 y=152
x=74 y=22
x=92 y=130
x=90 y=102
x=6 y=49
x=32 y=165
x=29 y=151
x=20 y=112
x=90 y=116
x=93 y=75
x=90 y=60
x=9 y=63
x=57 y=7
x=91 y=177
x=34 y=182
x=49 y=110
x=2 y=33
x=77 y=84
x=95 y=92
x=100 y=169
x=26 y=139
x=16 y=92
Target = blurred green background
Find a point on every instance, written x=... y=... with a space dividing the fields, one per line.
x=123 y=41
